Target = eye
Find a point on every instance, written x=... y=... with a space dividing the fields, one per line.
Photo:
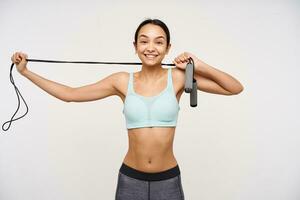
x=159 y=43
x=143 y=42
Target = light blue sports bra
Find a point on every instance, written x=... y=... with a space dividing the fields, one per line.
x=159 y=110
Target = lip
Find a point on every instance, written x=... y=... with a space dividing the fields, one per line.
x=152 y=56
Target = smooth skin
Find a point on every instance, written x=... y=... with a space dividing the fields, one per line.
x=150 y=148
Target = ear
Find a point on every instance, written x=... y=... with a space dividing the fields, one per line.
x=168 y=49
x=135 y=47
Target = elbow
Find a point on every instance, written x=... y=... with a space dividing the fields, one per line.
x=68 y=95
x=238 y=91
x=66 y=100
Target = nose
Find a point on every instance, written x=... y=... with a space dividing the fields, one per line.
x=150 y=47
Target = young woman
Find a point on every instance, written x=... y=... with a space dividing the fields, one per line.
x=151 y=104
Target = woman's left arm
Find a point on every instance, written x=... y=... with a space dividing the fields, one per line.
x=207 y=73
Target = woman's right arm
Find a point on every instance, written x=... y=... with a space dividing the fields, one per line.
x=55 y=89
x=103 y=88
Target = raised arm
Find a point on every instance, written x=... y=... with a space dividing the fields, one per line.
x=101 y=89
x=209 y=79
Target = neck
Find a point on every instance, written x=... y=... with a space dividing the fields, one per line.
x=152 y=72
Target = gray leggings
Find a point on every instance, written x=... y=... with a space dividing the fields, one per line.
x=138 y=185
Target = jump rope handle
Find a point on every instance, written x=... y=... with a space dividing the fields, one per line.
x=191 y=83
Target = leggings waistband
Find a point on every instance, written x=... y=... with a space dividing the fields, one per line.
x=149 y=176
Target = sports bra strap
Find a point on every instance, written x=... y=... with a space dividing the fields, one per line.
x=170 y=83
x=130 y=83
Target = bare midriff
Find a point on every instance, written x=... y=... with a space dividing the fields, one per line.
x=151 y=149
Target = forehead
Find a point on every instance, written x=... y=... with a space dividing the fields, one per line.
x=152 y=31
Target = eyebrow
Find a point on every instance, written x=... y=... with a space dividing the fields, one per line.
x=155 y=38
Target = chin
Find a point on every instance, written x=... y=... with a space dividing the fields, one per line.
x=151 y=63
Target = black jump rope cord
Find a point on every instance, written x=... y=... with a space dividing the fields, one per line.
x=54 y=61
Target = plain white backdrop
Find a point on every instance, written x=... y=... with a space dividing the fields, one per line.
x=240 y=147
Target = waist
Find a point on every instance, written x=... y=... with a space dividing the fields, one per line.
x=147 y=176
x=150 y=162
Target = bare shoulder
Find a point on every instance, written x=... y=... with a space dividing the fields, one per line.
x=178 y=78
x=120 y=82
x=120 y=75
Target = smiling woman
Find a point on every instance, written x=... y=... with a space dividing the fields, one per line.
x=149 y=169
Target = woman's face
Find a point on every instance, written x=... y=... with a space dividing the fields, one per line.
x=151 y=44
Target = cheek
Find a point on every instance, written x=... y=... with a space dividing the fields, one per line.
x=140 y=48
x=162 y=50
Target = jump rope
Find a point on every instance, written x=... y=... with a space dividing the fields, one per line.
x=190 y=82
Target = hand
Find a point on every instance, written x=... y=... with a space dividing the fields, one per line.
x=19 y=59
x=182 y=60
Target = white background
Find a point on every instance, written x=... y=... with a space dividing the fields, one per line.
x=240 y=147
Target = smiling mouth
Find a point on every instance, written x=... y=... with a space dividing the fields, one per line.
x=150 y=56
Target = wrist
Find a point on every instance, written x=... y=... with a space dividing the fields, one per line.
x=200 y=68
x=24 y=72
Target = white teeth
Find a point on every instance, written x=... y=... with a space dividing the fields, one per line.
x=150 y=56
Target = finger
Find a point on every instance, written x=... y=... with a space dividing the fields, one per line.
x=178 y=60
x=17 y=61
x=22 y=58
x=22 y=55
x=181 y=58
x=185 y=60
x=175 y=62
x=19 y=58
x=15 y=58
